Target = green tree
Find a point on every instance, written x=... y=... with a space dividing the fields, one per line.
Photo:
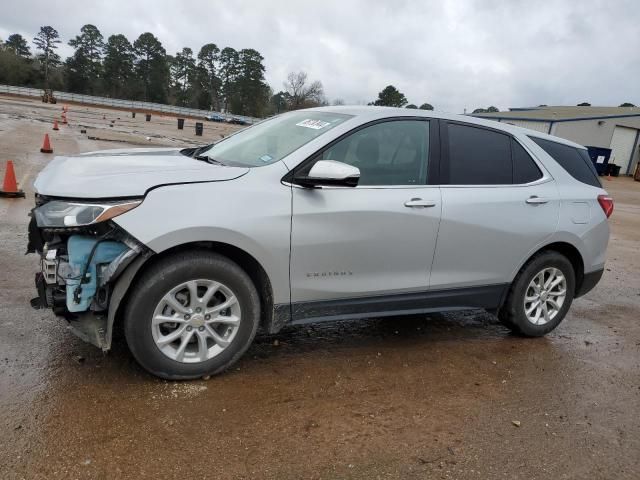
x=426 y=106
x=625 y=104
x=208 y=59
x=390 y=96
x=584 y=104
x=411 y=106
x=279 y=102
x=18 y=45
x=183 y=72
x=229 y=65
x=151 y=67
x=84 y=67
x=492 y=109
x=47 y=40
x=118 y=66
x=251 y=92
x=14 y=70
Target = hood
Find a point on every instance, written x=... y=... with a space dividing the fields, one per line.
x=126 y=173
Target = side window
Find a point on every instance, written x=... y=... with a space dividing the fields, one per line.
x=478 y=156
x=577 y=165
x=390 y=153
x=525 y=169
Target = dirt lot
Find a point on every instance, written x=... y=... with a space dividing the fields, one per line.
x=413 y=397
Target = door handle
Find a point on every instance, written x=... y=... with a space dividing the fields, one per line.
x=535 y=200
x=419 y=203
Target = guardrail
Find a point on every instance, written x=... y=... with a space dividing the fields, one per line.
x=122 y=104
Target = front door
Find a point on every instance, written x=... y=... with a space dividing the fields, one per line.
x=374 y=239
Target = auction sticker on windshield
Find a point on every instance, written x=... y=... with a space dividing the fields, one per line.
x=315 y=124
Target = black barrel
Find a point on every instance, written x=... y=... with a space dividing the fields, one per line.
x=199 y=128
x=148 y=116
x=615 y=169
x=133 y=114
x=180 y=123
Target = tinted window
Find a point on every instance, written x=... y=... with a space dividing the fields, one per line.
x=525 y=169
x=389 y=153
x=578 y=166
x=585 y=156
x=478 y=156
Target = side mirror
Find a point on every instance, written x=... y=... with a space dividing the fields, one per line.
x=330 y=173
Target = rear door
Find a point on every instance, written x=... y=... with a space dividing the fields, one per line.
x=377 y=238
x=497 y=207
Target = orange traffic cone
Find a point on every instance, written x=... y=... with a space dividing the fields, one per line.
x=46 y=146
x=55 y=124
x=10 y=186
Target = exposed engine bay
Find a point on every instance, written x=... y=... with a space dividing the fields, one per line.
x=79 y=268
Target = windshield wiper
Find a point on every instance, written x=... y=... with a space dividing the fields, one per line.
x=207 y=159
x=195 y=153
x=199 y=150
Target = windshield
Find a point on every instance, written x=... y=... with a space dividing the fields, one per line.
x=272 y=140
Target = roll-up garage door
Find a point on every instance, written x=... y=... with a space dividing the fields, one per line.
x=622 y=144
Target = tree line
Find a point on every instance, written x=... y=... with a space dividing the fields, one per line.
x=221 y=79
x=390 y=96
x=214 y=78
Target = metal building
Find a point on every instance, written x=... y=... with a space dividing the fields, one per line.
x=617 y=128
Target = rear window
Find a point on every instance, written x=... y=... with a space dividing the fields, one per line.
x=574 y=160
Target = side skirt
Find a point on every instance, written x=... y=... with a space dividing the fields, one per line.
x=488 y=297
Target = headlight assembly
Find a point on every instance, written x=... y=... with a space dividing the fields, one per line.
x=60 y=213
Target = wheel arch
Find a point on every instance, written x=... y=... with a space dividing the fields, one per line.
x=272 y=316
x=566 y=249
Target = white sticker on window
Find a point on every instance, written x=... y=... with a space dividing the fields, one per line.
x=315 y=124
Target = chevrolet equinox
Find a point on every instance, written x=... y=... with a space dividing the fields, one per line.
x=320 y=214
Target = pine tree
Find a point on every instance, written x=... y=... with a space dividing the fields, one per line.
x=47 y=40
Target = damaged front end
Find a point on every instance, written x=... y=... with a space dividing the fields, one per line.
x=83 y=255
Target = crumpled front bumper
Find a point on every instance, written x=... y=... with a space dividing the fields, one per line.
x=80 y=270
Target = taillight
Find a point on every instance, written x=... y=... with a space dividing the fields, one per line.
x=606 y=202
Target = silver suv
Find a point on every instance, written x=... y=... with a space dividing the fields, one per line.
x=320 y=214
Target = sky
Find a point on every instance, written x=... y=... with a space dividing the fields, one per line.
x=455 y=55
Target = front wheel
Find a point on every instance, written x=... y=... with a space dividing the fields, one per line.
x=540 y=295
x=191 y=314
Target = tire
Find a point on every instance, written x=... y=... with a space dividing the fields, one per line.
x=151 y=297
x=513 y=314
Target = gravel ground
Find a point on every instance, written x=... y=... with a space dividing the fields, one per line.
x=439 y=396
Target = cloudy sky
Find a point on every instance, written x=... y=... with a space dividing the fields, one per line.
x=453 y=54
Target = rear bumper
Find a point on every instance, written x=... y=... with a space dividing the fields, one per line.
x=589 y=281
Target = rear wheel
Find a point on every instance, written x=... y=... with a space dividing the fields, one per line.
x=191 y=314
x=540 y=295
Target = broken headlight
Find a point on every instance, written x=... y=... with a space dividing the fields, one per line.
x=60 y=213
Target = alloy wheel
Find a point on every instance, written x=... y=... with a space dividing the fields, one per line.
x=545 y=296
x=196 y=321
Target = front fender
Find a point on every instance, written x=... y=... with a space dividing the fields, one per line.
x=251 y=213
x=118 y=292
